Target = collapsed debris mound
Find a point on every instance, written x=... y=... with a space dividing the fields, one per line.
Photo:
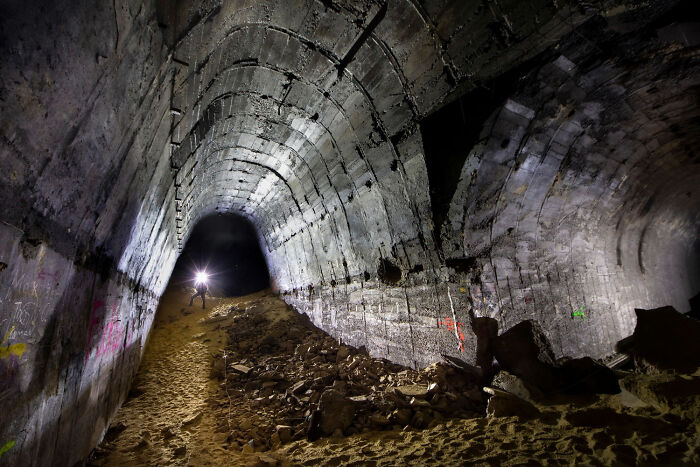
x=299 y=382
x=663 y=340
x=526 y=354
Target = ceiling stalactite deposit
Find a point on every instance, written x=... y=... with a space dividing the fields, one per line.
x=402 y=162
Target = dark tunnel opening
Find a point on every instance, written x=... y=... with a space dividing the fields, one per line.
x=227 y=248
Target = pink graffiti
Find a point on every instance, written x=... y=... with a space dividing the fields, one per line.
x=450 y=325
x=112 y=331
x=44 y=275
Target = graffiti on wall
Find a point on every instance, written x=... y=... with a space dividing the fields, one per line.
x=6 y=447
x=456 y=327
x=9 y=360
x=10 y=350
x=579 y=312
x=109 y=336
x=44 y=275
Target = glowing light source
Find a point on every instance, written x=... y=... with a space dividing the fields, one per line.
x=201 y=277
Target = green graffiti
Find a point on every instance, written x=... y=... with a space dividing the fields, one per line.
x=6 y=447
x=579 y=312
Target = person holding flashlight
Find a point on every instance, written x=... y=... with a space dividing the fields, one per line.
x=201 y=287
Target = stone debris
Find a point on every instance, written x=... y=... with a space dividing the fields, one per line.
x=505 y=404
x=193 y=420
x=299 y=382
x=664 y=339
x=533 y=373
x=524 y=350
x=292 y=381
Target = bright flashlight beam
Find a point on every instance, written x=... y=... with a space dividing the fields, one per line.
x=201 y=277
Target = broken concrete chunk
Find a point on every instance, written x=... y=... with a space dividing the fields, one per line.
x=413 y=390
x=664 y=339
x=524 y=351
x=284 y=432
x=241 y=369
x=505 y=404
x=337 y=411
x=514 y=385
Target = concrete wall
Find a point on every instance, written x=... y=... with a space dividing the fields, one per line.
x=84 y=182
x=122 y=124
x=581 y=197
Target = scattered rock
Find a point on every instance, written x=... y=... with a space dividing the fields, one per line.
x=664 y=339
x=401 y=416
x=486 y=331
x=284 y=432
x=241 y=369
x=217 y=369
x=192 y=420
x=524 y=351
x=514 y=385
x=342 y=354
x=298 y=387
x=586 y=376
x=114 y=431
x=414 y=390
x=313 y=431
x=667 y=392
x=265 y=460
x=180 y=451
x=337 y=411
x=379 y=420
x=270 y=376
x=167 y=432
x=505 y=404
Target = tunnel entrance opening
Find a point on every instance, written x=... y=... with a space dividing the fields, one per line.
x=227 y=248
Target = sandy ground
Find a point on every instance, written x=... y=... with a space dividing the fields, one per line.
x=166 y=420
x=175 y=410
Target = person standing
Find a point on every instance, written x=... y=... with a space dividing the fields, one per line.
x=200 y=289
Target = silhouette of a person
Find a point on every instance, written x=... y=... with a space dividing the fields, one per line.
x=200 y=289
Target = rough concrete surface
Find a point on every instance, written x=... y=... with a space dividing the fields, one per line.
x=564 y=190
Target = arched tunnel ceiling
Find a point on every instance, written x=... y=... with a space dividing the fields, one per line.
x=307 y=122
x=306 y=102
x=557 y=141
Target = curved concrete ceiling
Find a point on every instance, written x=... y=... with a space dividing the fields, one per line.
x=403 y=162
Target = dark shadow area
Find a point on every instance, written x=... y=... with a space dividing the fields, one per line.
x=227 y=248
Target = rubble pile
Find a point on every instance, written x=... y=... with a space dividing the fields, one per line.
x=297 y=382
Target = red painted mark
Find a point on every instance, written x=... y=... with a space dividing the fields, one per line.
x=450 y=325
x=112 y=331
x=528 y=298
x=45 y=275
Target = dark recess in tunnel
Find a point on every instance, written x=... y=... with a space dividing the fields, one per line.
x=226 y=246
x=450 y=133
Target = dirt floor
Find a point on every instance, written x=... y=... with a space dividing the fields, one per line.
x=194 y=402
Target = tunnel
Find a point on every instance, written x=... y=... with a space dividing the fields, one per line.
x=225 y=248
x=380 y=165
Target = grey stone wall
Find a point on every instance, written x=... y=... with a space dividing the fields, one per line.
x=580 y=194
x=84 y=189
x=124 y=123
